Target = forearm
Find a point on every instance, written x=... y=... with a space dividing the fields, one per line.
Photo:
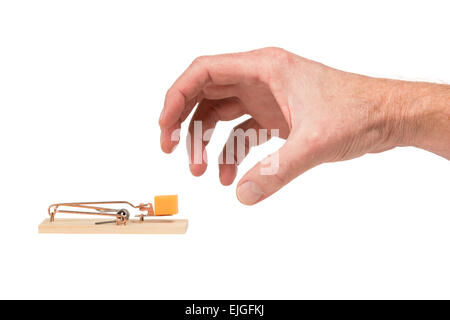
x=418 y=114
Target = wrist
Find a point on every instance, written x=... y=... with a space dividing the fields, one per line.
x=401 y=118
x=417 y=114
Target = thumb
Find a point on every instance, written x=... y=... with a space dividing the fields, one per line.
x=274 y=172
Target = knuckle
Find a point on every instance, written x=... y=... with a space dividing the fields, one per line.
x=199 y=60
x=283 y=174
x=315 y=139
x=277 y=55
x=276 y=61
x=171 y=94
x=168 y=94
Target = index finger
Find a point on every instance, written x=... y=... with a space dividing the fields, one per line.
x=226 y=69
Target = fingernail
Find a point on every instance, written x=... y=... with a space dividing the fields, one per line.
x=173 y=148
x=249 y=193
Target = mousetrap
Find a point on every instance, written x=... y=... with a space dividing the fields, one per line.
x=114 y=217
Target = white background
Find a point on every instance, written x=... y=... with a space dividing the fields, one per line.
x=82 y=84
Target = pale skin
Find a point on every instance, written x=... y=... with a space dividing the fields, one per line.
x=324 y=114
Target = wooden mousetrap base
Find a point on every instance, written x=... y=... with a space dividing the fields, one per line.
x=86 y=226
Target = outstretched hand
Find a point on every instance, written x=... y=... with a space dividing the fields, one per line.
x=324 y=114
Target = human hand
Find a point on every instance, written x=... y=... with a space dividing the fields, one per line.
x=324 y=114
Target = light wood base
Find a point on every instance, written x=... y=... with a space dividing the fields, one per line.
x=153 y=226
